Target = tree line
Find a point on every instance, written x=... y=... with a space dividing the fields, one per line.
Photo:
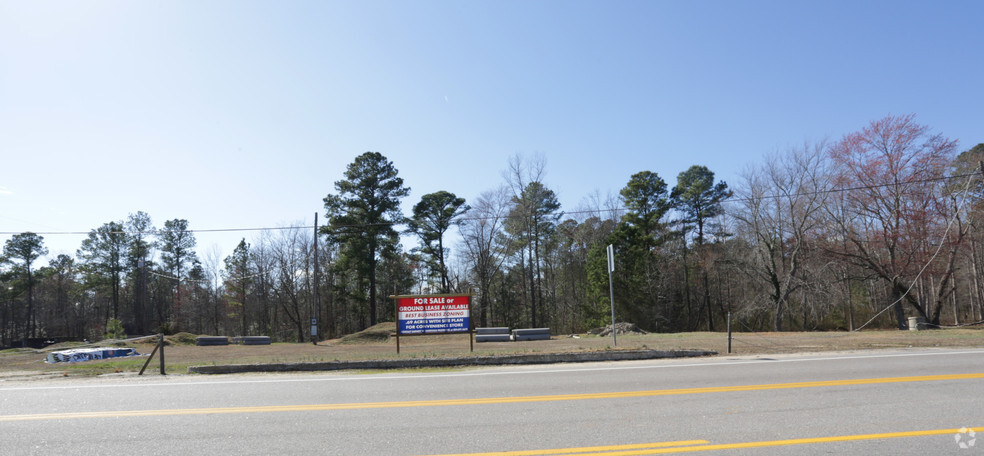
x=866 y=231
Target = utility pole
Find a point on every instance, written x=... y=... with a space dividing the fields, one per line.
x=314 y=304
x=141 y=301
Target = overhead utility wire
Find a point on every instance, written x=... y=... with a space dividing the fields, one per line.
x=963 y=199
x=169 y=277
x=579 y=212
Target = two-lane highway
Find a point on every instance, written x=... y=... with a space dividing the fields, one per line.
x=903 y=402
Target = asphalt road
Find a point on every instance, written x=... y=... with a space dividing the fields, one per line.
x=884 y=402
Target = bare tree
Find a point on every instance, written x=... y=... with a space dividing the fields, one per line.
x=291 y=250
x=212 y=268
x=263 y=263
x=480 y=233
x=779 y=206
x=894 y=170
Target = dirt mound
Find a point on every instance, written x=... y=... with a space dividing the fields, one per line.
x=181 y=338
x=17 y=351
x=371 y=335
x=620 y=328
x=64 y=346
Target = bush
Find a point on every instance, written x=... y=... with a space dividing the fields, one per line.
x=114 y=330
x=182 y=338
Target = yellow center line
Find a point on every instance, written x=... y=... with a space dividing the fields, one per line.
x=582 y=451
x=682 y=446
x=483 y=401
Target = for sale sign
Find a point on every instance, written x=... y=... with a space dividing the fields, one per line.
x=433 y=314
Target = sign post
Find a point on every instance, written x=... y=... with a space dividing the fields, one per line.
x=418 y=315
x=611 y=290
x=315 y=304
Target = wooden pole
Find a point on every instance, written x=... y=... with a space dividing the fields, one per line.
x=161 y=343
x=150 y=358
x=396 y=311
x=729 y=332
x=471 y=324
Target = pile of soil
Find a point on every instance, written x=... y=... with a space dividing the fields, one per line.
x=181 y=338
x=620 y=328
x=372 y=334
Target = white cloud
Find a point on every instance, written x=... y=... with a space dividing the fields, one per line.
x=4 y=191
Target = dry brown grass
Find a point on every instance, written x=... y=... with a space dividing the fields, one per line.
x=180 y=354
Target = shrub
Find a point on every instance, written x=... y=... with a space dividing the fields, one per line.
x=114 y=329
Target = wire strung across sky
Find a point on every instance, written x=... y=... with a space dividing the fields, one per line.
x=209 y=281
x=963 y=198
x=965 y=192
x=731 y=199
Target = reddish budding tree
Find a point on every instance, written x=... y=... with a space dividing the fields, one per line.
x=896 y=210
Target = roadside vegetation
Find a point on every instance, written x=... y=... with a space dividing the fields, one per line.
x=884 y=224
x=181 y=351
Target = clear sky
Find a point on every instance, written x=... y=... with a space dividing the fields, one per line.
x=242 y=114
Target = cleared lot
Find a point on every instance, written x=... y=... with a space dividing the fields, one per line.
x=373 y=344
x=906 y=401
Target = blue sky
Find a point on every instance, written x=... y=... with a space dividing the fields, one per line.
x=241 y=114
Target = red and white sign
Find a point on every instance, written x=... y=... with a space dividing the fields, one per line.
x=433 y=314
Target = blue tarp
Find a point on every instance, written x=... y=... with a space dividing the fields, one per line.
x=88 y=354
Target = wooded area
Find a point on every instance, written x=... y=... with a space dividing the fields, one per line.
x=886 y=222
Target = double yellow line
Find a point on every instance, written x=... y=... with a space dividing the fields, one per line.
x=481 y=401
x=691 y=446
x=595 y=450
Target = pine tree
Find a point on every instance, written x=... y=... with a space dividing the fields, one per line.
x=700 y=200
x=26 y=247
x=432 y=217
x=104 y=252
x=361 y=217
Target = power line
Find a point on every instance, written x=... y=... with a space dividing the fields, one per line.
x=159 y=232
x=466 y=219
x=963 y=199
x=850 y=189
